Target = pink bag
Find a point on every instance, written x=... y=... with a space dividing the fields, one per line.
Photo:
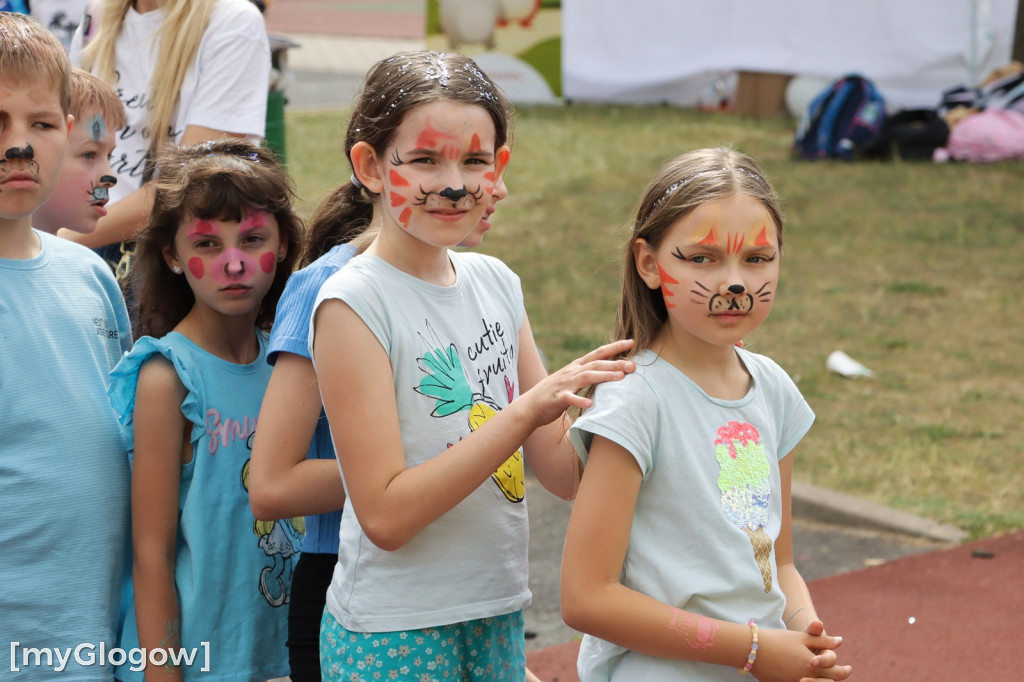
x=989 y=135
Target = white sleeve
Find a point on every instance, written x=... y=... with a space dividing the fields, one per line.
x=232 y=72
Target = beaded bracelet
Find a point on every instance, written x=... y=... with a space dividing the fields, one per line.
x=753 y=649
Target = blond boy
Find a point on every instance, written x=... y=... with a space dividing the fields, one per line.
x=63 y=326
x=83 y=190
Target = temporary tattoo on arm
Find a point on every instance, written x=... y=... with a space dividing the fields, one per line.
x=171 y=641
x=698 y=631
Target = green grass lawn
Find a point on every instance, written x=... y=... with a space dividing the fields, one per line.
x=913 y=269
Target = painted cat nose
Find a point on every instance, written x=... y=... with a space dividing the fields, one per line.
x=25 y=152
x=736 y=288
x=453 y=194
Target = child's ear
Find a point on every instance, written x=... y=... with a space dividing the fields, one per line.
x=171 y=258
x=366 y=166
x=646 y=264
x=501 y=159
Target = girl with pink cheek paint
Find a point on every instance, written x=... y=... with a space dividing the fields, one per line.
x=209 y=269
x=696 y=445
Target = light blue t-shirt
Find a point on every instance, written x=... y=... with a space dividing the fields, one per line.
x=291 y=335
x=232 y=573
x=63 y=471
x=709 y=508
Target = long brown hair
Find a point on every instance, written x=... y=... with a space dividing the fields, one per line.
x=393 y=87
x=218 y=180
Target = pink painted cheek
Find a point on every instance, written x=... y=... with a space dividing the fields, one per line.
x=268 y=261
x=195 y=266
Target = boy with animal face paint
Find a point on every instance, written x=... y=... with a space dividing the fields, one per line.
x=82 y=192
x=64 y=327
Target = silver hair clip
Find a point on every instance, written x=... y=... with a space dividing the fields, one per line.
x=679 y=183
x=355 y=182
x=750 y=174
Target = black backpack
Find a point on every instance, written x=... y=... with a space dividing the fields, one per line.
x=840 y=120
x=910 y=135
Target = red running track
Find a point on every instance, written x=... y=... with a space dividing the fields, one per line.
x=951 y=615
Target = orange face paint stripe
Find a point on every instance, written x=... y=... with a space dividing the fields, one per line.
x=404 y=217
x=666 y=279
x=397 y=199
x=396 y=179
x=735 y=243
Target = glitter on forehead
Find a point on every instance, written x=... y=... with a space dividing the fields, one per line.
x=680 y=183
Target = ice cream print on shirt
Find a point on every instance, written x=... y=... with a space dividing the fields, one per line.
x=492 y=355
x=743 y=481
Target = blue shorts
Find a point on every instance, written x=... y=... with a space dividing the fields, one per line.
x=477 y=650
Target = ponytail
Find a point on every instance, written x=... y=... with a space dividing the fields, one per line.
x=342 y=216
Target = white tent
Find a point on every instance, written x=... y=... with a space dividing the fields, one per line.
x=672 y=50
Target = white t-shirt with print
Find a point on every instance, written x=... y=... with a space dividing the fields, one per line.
x=225 y=88
x=454 y=357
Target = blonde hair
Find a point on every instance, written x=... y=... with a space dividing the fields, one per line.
x=679 y=187
x=91 y=94
x=29 y=52
x=180 y=33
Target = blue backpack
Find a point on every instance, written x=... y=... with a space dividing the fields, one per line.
x=840 y=120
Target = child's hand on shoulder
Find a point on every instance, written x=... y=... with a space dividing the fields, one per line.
x=788 y=656
x=557 y=392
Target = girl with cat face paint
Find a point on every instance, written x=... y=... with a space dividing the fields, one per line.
x=433 y=388
x=696 y=446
